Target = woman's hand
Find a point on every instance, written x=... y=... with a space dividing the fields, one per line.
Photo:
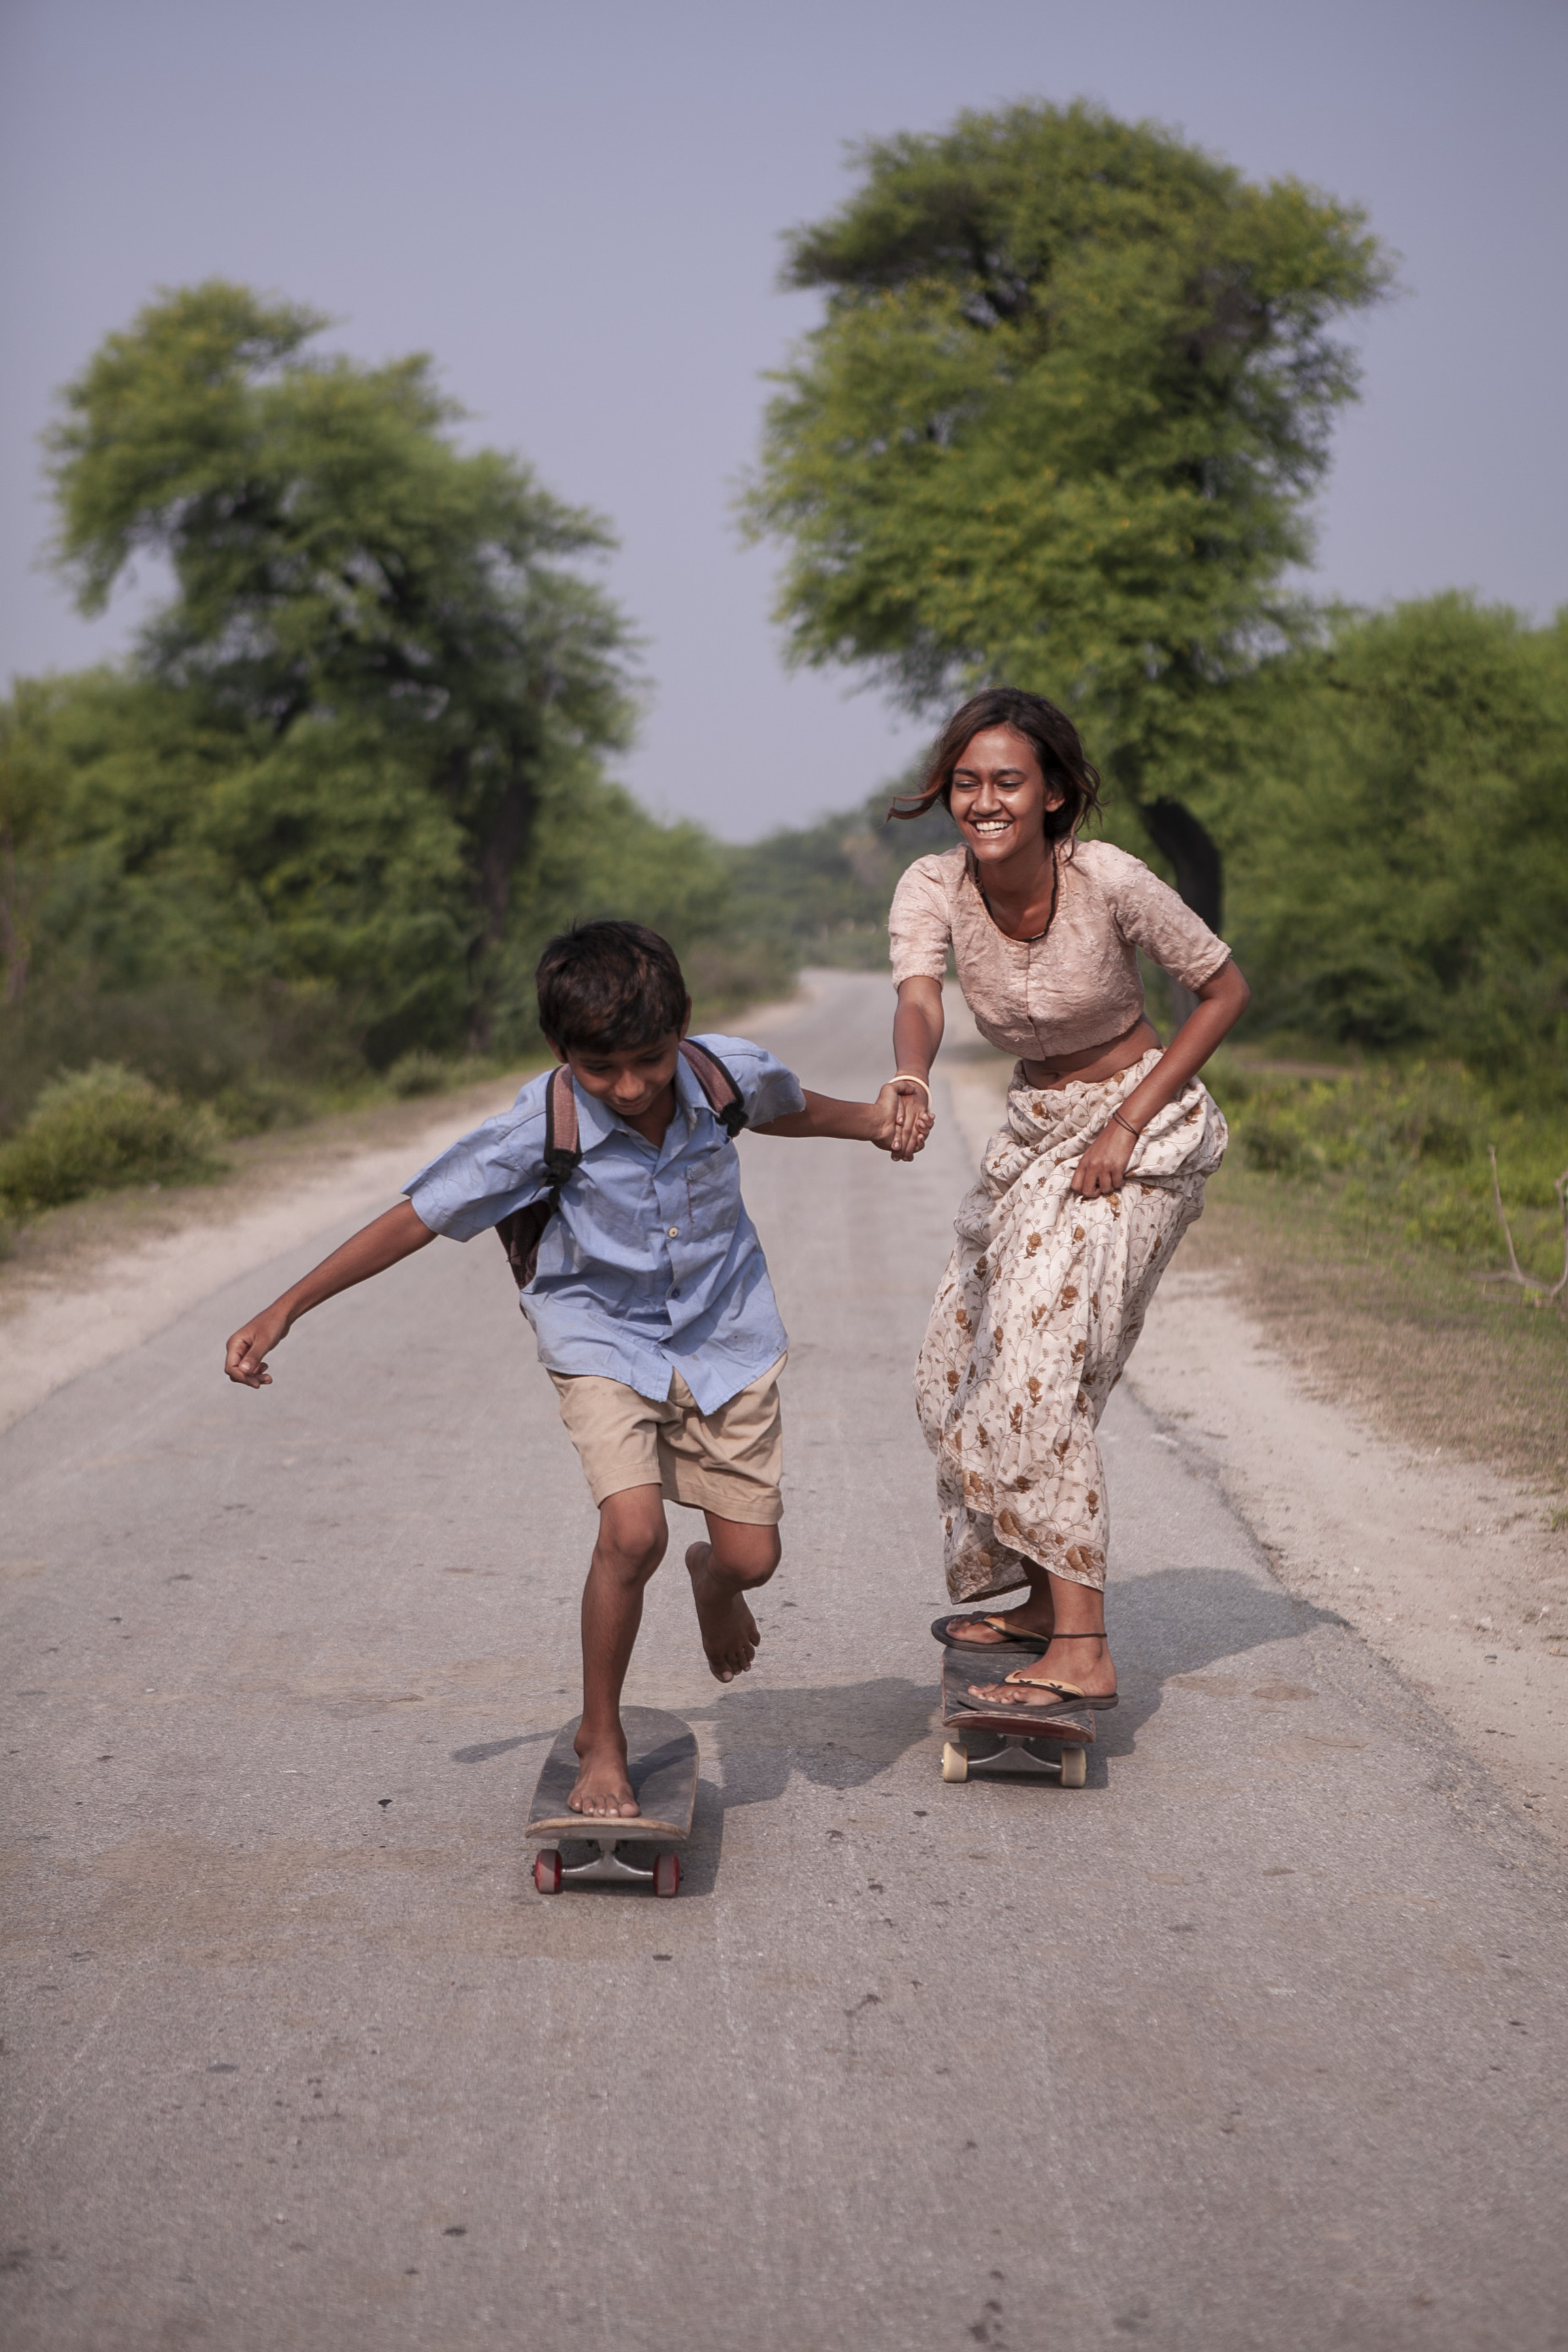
x=903 y=1118
x=1103 y=1167
x=1222 y=1001
x=917 y=1033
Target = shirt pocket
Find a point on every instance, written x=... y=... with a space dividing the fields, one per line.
x=713 y=1189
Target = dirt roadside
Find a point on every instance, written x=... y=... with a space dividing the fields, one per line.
x=92 y=1281
x=1449 y=1568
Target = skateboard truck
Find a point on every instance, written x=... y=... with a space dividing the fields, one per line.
x=549 y=1873
x=1016 y=1756
x=1012 y=1750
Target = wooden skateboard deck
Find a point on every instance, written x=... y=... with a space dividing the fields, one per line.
x=1069 y=1729
x=662 y=1759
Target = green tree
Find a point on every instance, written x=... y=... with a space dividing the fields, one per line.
x=377 y=654
x=30 y=789
x=1059 y=426
x=1400 y=860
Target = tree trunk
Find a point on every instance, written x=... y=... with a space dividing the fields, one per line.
x=500 y=850
x=14 y=948
x=1192 y=851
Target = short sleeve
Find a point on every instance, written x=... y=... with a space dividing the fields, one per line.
x=920 y=929
x=769 y=1089
x=1151 y=915
x=484 y=1176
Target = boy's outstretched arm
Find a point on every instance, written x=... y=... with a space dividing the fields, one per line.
x=371 y=1249
x=855 y=1122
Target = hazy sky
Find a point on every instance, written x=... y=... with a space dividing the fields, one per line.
x=577 y=210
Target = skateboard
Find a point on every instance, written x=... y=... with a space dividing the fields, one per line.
x=1055 y=1749
x=661 y=1756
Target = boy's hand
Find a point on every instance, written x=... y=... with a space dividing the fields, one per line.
x=393 y=1236
x=245 y=1358
x=902 y=1118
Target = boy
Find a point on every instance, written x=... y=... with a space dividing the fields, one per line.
x=651 y=1302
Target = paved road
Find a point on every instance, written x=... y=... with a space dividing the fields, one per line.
x=1255 y=2041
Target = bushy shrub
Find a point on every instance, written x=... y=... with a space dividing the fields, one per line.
x=93 y=1129
x=257 y=1057
x=1280 y=1142
x=254 y=1105
x=418 y=1073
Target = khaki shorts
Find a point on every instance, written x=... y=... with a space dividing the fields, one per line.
x=727 y=1462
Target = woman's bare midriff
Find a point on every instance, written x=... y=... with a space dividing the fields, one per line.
x=1096 y=1061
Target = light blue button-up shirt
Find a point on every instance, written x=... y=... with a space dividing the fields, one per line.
x=650 y=1264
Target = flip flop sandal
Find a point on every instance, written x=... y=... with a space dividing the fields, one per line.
x=940 y=1626
x=1068 y=1694
x=995 y=1711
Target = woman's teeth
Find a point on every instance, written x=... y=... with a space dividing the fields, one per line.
x=990 y=824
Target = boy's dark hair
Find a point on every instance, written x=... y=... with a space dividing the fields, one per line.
x=609 y=987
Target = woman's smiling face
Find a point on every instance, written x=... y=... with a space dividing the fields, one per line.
x=999 y=795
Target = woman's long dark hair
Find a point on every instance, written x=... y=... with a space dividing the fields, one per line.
x=1050 y=732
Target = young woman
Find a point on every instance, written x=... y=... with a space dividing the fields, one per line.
x=1083 y=1194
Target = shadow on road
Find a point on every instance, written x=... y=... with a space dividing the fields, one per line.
x=839 y=1735
x=1181 y=1620
x=485 y=1749
x=1176 y=1621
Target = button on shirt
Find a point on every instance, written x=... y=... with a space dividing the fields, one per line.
x=650 y=1264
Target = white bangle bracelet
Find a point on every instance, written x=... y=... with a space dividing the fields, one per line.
x=910 y=1078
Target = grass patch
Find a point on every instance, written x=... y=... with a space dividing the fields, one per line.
x=1404 y=1153
x=1357 y=1214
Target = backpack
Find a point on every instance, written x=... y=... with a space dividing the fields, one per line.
x=520 y=1234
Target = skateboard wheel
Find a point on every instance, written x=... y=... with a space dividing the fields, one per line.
x=954 y=1762
x=547 y=1870
x=666 y=1873
x=1075 y=1767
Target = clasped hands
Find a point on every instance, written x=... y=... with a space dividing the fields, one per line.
x=905 y=1117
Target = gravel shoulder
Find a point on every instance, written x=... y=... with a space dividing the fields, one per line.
x=1449 y=1569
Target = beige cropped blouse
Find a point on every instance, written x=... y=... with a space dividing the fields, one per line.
x=1076 y=987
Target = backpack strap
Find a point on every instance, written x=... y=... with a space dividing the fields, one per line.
x=724 y=1098
x=521 y=1232
x=562 y=1149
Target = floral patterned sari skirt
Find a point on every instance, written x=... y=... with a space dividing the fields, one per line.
x=1043 y=1299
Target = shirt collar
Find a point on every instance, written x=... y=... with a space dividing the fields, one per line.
x=596 y=1123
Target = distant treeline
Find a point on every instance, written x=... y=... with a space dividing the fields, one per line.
x=354 y=772
x=1394 y=817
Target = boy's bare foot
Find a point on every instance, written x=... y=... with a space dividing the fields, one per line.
x=729 y=1629
x=603 y=1787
